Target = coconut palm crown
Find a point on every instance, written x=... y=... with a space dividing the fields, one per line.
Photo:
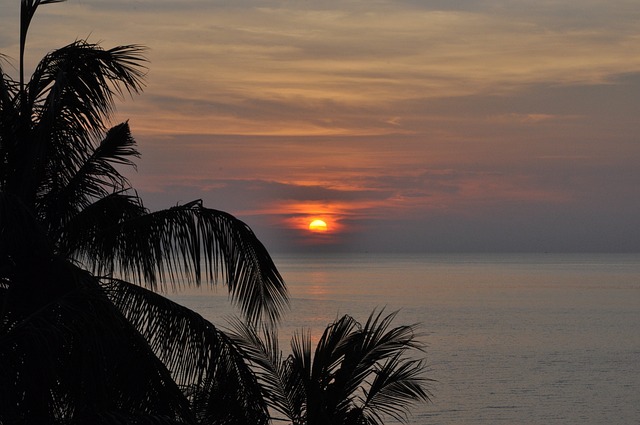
x=357 y=374
x=84 y=337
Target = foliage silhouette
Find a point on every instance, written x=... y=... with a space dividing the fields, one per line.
x=358 y=374
x=82 y=340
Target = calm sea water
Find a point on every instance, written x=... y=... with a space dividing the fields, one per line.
x=513 y=339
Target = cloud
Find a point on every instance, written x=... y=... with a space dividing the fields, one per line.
x=416 y=124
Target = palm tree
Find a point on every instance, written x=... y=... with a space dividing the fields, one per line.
x=356 y=376
x=84 y=337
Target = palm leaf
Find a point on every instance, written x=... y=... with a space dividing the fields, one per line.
x=319 y=378
x=27 y=10
x=9 y=116
x=70 y=96
x=373 y=344
x=298 y=373
x=360 y=352
x=84 y=229
x=74 y=86
x=96 y=178
x=119 y=418
x=63 y=351
x=397 y=385
x=21 y=238
x=71 y=350
x=184 y=243
x=280 y=389
x=203 y=360
x=329 y=352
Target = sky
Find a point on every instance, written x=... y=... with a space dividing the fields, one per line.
x=406 y=125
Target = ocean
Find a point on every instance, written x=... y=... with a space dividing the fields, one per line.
x=532 y=339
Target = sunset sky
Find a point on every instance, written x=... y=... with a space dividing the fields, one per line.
x=406 y=125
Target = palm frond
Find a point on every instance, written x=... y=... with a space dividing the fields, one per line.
x=120 y=418
x=280 y=389
x=95 y=178
x=8 y=91
x=329 y=352
x=298 y=368
x=318 y=390
x=77 y=236
x=27 y=10
x=203 y=360
x=318 y=375
x=64 y=109
x=74 y=86
x=75 y=348
x=373 y=344
x=21 y=238
x=398 y=384
x=64 y=349
x=374 y=349
x=68 y=100
x=184 y=243
x=8 y=119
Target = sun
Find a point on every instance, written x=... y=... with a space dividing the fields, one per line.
x=318 y=226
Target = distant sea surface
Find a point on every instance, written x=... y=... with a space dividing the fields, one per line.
x=511 y=339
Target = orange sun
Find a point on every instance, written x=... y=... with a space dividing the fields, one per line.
x=318 y=226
